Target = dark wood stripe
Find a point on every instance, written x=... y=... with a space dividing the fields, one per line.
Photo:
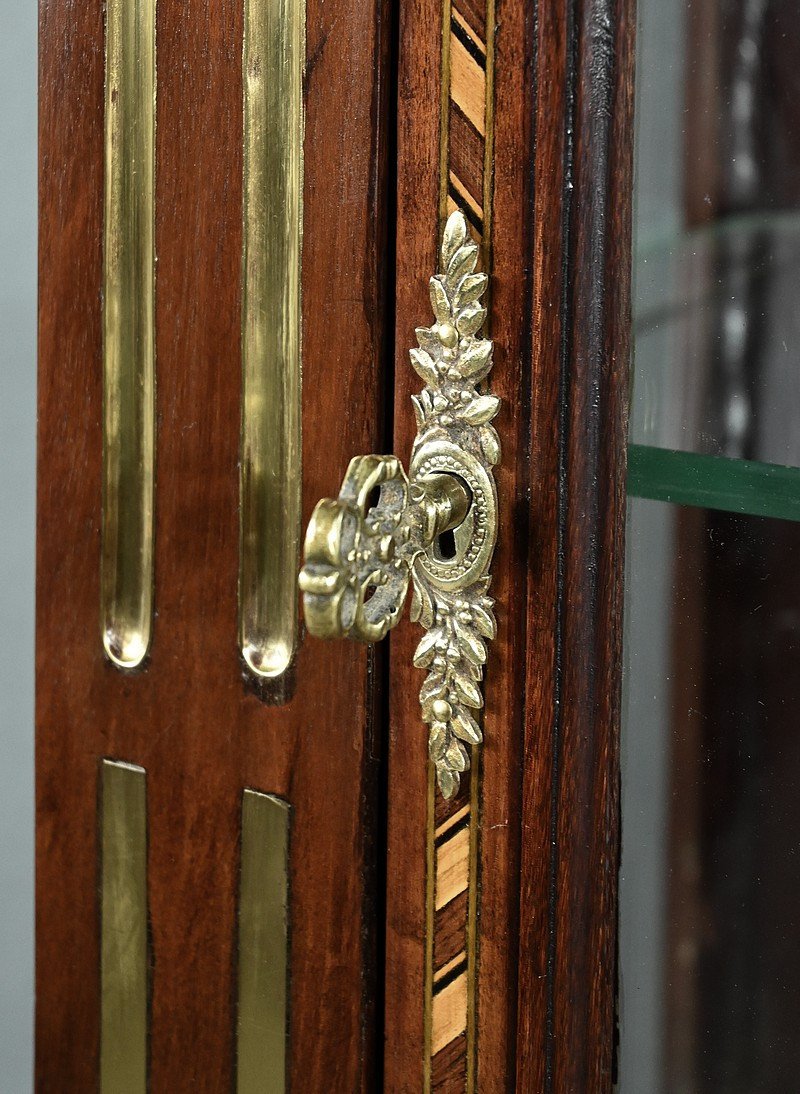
x=476 y=50
x=579 y=372
x=449 y=1067
x=474 y=13
x=450 y=832
x=443 y=809
x=468 y=211
x=450 y=930
x=466 y=153
x=452 y=975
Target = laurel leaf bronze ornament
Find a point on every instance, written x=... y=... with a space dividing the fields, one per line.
x=435 y=527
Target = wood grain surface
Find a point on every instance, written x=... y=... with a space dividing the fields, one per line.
x=548 y=801
x=188 y=718
x=568 y=969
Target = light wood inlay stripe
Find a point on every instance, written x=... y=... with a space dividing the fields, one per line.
x=465 y=196
x=449 y=1013
x=468 y=85
x=445 y=970
x=452 y=868
x=476 y=38
x=451 y=822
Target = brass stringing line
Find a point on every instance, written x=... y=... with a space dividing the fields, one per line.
x=477 y=772
x=472 y=922
x=430 y=895
x=430 y=854
x=430 y=882
x=488 y=160
x=444 y=121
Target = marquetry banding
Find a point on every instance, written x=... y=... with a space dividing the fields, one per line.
x=453 y=827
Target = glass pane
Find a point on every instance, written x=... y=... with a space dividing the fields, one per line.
x=710 y=882
x=717 y=273
x=710 y=886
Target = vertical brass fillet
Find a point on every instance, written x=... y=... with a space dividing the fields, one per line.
x=123 y=960
x=128 y=332
x=271 y=471
x=263 y=945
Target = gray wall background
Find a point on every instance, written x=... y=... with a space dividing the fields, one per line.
x=17 y=504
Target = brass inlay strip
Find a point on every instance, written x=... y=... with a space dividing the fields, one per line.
x=271 y=472
x=263 y=945
x=128 y=332
x=488 y=151
x=472 y=924
x=444 y=112
x=123 y=958
x=430 y=919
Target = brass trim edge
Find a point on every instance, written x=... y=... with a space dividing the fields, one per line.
x=123 y=917
x=128 y=332
x=273 y=59
x=430 y=911
x=262 y=1021
x=444 y=116
x=472 y=923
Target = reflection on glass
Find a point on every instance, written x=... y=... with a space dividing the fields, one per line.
x=711 y=877
x=710 y=882
x=717 y=272
x=720 y=304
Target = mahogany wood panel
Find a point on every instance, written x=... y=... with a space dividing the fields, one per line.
x=417 y=230
x=566 y=1039
x=189 y=718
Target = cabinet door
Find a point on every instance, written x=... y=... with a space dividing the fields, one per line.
x=161 y=884
x=248 y=877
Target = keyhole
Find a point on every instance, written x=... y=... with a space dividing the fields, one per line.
x=447 y=545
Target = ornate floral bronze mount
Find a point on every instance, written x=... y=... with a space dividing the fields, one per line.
x=435 y=527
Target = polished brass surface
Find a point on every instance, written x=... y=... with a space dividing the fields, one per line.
x=358 y=559
x=263 y=945
x=128 y=332
x=361 y=551
x=271 y=471
x=123 y=918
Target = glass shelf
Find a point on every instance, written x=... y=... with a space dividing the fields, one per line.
x=714 y=482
